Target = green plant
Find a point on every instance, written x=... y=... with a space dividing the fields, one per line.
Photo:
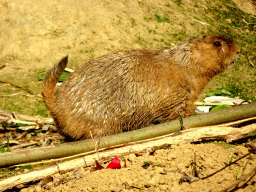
x=237 y=173
x=221 y=92
x=2 y=149
x=161 y=19
x=8 y=143
x=158 y=165
x=230 y=161
x=146 y=164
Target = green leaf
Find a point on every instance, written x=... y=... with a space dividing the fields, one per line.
x=21 y=124
x=217 y=92
x=219 y=107
x=223 y=91
x=226 y=92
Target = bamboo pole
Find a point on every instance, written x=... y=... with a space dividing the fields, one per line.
x=67 y=149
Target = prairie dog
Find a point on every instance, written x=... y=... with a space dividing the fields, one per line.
x=129 y=90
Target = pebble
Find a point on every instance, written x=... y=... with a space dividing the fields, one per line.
x=132 y=157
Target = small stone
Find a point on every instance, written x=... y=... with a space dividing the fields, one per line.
x=132 y=157
x=153 y=181
x=181 y=166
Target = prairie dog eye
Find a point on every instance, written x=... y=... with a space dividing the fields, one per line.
x=217 y=44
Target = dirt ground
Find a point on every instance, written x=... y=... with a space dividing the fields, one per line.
x=165 y=172
x=35 y=34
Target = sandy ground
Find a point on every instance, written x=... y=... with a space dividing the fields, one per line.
x=167 y=167
x=35 y=34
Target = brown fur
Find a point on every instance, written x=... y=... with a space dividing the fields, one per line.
x=132 y=89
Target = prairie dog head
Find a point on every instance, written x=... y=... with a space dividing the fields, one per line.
x=213 y=54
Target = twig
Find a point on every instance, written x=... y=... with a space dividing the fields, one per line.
x=201 y=22
x=3 y=66
x=24 y=145
x=14 y=115
x=22 y=135
x=18 y=94
x=225 y=166
x=244 y=178
x=247 y=56
x=243 y=20
x=24 y=122
x=245 y=167
x=18 y=86
x=194 y=167
x=27 y=128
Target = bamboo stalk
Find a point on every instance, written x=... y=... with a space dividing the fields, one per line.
x=67 y=149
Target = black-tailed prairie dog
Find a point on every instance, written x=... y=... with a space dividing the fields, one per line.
x=129 y=90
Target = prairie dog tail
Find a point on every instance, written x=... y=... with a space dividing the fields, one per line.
x=50 y=81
